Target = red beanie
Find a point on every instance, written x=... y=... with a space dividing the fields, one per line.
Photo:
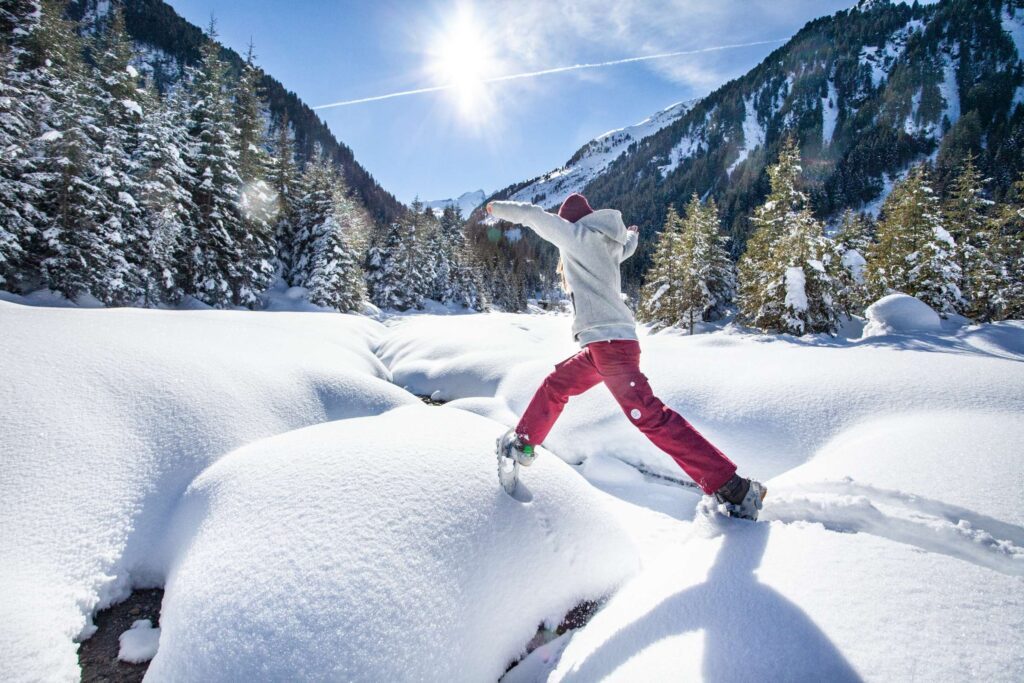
x=574 y=207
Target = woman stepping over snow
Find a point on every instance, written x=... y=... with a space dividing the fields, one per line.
x=592 y=245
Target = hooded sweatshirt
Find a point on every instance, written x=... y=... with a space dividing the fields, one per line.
x=592 y=249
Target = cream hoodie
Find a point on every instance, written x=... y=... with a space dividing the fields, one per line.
x=592 y=249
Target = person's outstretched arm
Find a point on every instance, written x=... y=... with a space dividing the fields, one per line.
x=550 y=227
x=632 y=238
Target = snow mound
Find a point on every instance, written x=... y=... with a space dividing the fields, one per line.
x=383 y=550
x=900 y=314
x=108 y=415
x=139 y=643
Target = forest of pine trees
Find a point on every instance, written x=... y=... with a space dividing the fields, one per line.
x=114 y=191
x=962 y=254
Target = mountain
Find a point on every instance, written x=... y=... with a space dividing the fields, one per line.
x=167 y=43
x=867 y=92
x=467 y=201
x=593 y=159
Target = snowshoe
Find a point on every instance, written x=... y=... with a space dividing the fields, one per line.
x=512 y=453
x=741 y=498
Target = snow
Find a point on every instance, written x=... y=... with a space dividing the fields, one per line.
x=467 y=202
x=309 y=519
x=854 y=262
x=1013 y=24
x=110 y=414
x=900 y=314
x=595 y=157
x=687 y=147
x=139 y=643
x=753 y=135
x=829 y=113
x=881 y=60
x=404 y=560
x=796 y=294
x=949 y=89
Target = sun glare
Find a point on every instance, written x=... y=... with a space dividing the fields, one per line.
x=463 y=59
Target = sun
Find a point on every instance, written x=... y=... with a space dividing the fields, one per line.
x=462 y=60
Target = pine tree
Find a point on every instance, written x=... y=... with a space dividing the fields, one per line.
x=283 y=177
x=164 y=180
x=976 y=253
x=1009 y=229
x=785 y=280
x=384 y=269
x=17 y=197
x=116 y=93
x=915 y=254
x=232 y=253
x=707 y=281
x=659 y=297
x=853 y=240
x=326 y=262
x=71 y=250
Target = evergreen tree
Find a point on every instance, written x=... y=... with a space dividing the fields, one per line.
x=285 y=183
x=250 y=114
x=232 y=252
x=976 y=253
x=785 y=283
x=707 y=280
x=72 y=253
x=326 y=262
x=1010 y=240
x=18 y=217
x=915 y=254
x=853 y=240
x=385 y=263
x=659 y=297
x=164 y=180
x=115 y=89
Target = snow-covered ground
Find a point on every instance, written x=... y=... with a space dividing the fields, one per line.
x=312 y=519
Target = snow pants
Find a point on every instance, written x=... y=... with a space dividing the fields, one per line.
x=617 y=364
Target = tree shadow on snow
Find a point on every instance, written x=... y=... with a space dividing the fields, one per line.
x=750 y=630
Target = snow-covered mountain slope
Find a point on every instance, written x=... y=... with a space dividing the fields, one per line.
x=867 y=92
x=593 y=158
x=466 y=202
x=310 y=518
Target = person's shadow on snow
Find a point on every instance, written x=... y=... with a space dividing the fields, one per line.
x=751 y=632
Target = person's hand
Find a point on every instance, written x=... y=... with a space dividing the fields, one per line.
x=631 y=228
x=490 y=208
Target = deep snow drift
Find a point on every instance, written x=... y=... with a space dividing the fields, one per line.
x=309 y=518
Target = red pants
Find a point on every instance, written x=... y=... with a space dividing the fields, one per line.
x=617 y=364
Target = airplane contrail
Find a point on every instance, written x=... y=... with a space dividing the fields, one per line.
x=545 y=72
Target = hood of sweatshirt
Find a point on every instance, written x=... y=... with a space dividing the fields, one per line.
x=608 y=222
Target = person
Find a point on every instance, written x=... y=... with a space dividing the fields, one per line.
x=592 y=245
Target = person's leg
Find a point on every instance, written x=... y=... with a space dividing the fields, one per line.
x=571 y=377
x=618 y=362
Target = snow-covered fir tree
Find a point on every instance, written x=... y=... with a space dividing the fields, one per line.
x=659 y=297
x=784 y=279
x=257 y=197
x=18 y=218
x=165 y=194
x=915 y=254
x=965 y=213
x=456 y=276
x=232 y=255
x=387 y=263
x=1009 y=230
x=853 y=240
x=327 y=264
x=73 y=255
x=283 y=178
x=707 y=279
x=115 y=88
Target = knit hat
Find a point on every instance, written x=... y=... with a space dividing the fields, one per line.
x=574 y=207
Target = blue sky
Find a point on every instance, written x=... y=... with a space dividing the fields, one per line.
x=487 y=136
